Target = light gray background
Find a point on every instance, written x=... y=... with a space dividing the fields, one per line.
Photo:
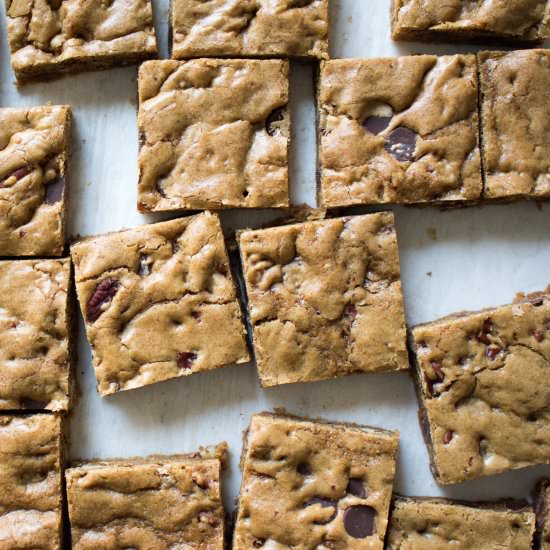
x=477 y=257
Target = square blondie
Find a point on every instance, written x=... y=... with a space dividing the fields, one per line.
x=152 y=503
x=399 y=130
x=324 y=298
x=436 y=523
x=34 y=158
x=515 y=115
x=483 y=383
x=263 y=28
x=31 y=469
x=213 y=134
x=310 y=484
x=159 y=302
x=520 y=21
x=35 y=334
x=49 y=38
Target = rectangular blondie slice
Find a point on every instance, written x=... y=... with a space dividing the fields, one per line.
x=484 y=388
x=159 y=302
x=311 y=484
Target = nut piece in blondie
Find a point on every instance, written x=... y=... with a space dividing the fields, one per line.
x=31 y=464
x=35 y=328
x=49 y=38
x=213 y=134
x=515 y=115
x=159 y=502
x=520 y=21
x=399 y=130
x=159 y=302
x=308 y=485
x=34 y=156
x=434 y=524
x=324 y=298
x=245 y=28
x=484 y=388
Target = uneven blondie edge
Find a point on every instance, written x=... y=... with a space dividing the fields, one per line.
x=520 y=21
x=485 y=403
x=35 y=333
x=431 y=524
x=515 y=114
x=309 y=483
x=156 y=501
x=31 y=467
x=34 y=159
x=214 y=133
x=263 y=28
x=159 y=302
x=324 y=298
x=541 y=500
x=399 y=130
x=50 y=38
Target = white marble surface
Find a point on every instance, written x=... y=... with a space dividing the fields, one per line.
x=477 y=257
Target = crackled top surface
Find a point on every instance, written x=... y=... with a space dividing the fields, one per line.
x=270 y=28
x=159 y=302
x=516 y=123
x=308 y=485
x=30 y=482
x=325 y=298
x=34 y=334
x=399 y=130
x=46 y=37
x=214 y=134
x=436 y=524
x=161 y=503
x=33 y=162
x=514 y=19
x=483 y=383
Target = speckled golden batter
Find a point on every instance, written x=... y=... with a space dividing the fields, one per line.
x=159 y=302
x=310 y=485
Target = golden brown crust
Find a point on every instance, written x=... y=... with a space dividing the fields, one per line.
x=214 y=134
x=249 y=28
x=159 y=302
x=34 y=156
x=325 y=298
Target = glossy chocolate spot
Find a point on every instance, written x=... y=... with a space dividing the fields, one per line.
x=277 y=115
x=351 y=311
x=324 y=503
x=401 y=144
x=376 y=124
x=102 y=294
x=17 y=174
x=356 y=488
x=55 y=190
x=448 y=437
x=359 y=521
x=185 y=360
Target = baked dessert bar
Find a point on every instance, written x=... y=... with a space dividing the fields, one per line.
x=158 y=302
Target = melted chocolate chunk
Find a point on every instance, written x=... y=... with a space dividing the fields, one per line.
x=401 y=144
x=55 y=190
x=359 y=521
x=377 y=124
x=103 y=293
x=356 y=488
x=325 y=503
x=32 y=404
x=17 y=174
x=304 y=469
x=277 y=115
x=185 y=359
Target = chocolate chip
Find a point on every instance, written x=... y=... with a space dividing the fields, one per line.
x=350 y=311
x=258 y=543
x=438 y=371
x=221 y=269
x=483 y=334
x=103 y=292
x=33 y=404
x=538 y=335
x=376 y=124
x=448 y=437
x=401 y=144
x=196 y=315
x=356 y=488
x=492 y=352
x=324 y=503
x=359 y=521
x=304 y=469
x=275 y=116
x=537 y=302
x=17 y=174
x=55 y=190
x=185 y=359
